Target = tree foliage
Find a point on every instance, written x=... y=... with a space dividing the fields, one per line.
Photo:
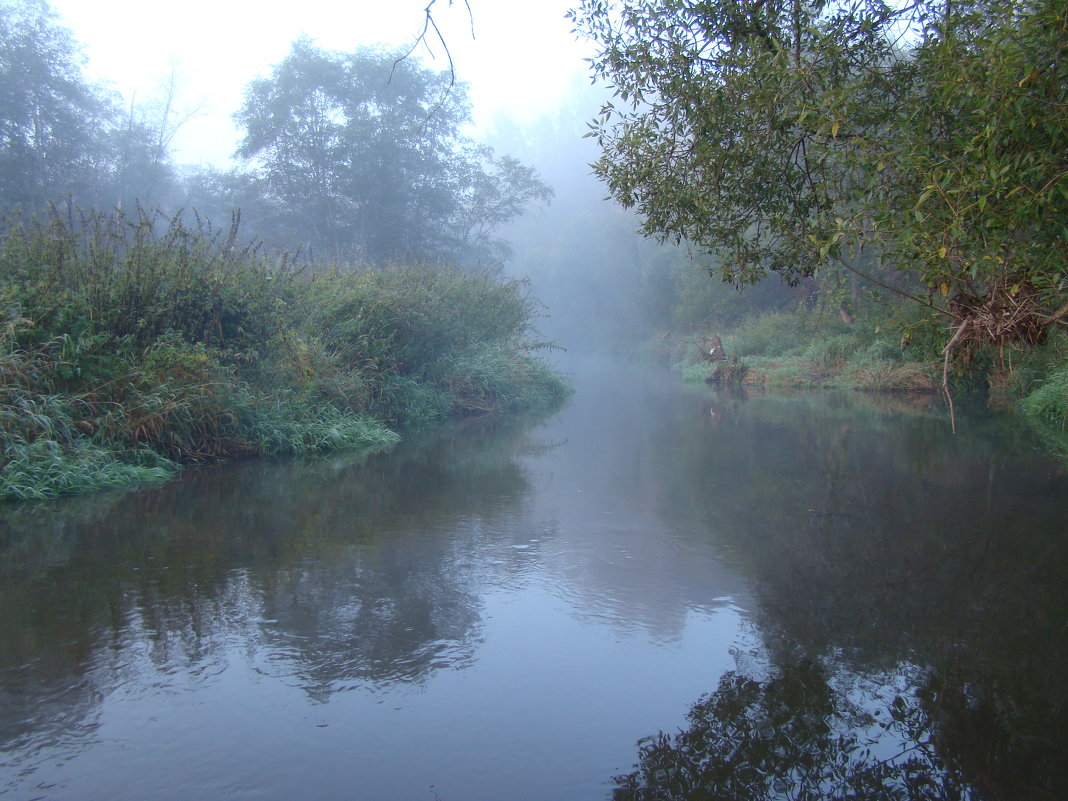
x=788 y=135
x=364 y=155
x=62 y=137
x=48 y=114
x=346 y=155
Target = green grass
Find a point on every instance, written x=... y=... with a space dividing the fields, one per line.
x=46 y=468
x=283 y=429
x=797 y=350
x=1046 y=407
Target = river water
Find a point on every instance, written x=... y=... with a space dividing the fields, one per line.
x=825 y=591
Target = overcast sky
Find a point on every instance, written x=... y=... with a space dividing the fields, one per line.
x=521 y=61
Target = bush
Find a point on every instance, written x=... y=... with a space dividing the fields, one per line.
x=128 y=336
x=495 y=377
x=131 y=279
x=768 y=335
x=406 y=319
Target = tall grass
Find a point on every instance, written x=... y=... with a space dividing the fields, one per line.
x=154 y=342
x=1047 y=404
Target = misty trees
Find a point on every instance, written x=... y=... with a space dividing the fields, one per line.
x=789 y=135
x=346 y=155
x=361 y=154
x=62 y=137
x=50 y=119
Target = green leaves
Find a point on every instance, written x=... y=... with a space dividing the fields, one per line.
x=788 y=135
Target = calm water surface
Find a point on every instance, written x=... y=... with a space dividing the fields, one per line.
x=823 y=591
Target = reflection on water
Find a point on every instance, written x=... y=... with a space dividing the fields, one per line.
x=355 y=569
x=913 y=572
x=799 y=735
x=502 y=609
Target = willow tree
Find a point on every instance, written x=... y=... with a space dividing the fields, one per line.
x=788 y=135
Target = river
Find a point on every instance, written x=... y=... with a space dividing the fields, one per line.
x=826 y=591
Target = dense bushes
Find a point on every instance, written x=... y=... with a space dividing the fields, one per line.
x=132 y=344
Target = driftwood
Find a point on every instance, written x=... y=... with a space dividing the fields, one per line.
x=1005 y=314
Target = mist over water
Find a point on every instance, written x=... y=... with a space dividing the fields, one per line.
x=503 y=608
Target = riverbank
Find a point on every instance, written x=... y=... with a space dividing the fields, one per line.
x=130 y=346
x=803 y=350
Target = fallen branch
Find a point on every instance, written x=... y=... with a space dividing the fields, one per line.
x=947 y=352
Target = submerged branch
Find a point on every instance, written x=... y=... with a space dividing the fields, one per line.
x=947 y=352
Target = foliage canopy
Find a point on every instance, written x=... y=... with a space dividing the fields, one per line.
x=929 y=138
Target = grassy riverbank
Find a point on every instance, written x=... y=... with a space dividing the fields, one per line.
x=792 y=350
x=806 y=349
x=132 y=345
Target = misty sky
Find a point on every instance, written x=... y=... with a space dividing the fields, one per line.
x=521 y=62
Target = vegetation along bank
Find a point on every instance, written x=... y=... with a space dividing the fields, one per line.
x=919 y=149
x=133 y=344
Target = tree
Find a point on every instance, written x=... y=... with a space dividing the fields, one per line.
x=50 y=118
x=362 y=155
x=63 y=138
x=494 y=192
x=790 y=135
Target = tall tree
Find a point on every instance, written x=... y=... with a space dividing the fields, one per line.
x=362 y=155
x=50 y=118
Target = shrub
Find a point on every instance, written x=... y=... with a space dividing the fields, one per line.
x=405 y=319
x=769 y=334
x=134 y=278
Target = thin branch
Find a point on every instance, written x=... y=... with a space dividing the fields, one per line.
x=948 y=353
x=895 y=290
x=431 y=25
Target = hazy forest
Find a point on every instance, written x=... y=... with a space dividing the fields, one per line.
x=641 y=400
x=837 y=194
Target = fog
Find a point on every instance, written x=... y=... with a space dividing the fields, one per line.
x=517 y=58
x=601 y=285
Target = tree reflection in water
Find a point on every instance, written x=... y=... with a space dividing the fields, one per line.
x=797 y=736
x=920 y=576
x=338 y=572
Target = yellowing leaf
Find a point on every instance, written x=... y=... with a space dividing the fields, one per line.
x=834 y=130
x=944 y=289
x=942 y=254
